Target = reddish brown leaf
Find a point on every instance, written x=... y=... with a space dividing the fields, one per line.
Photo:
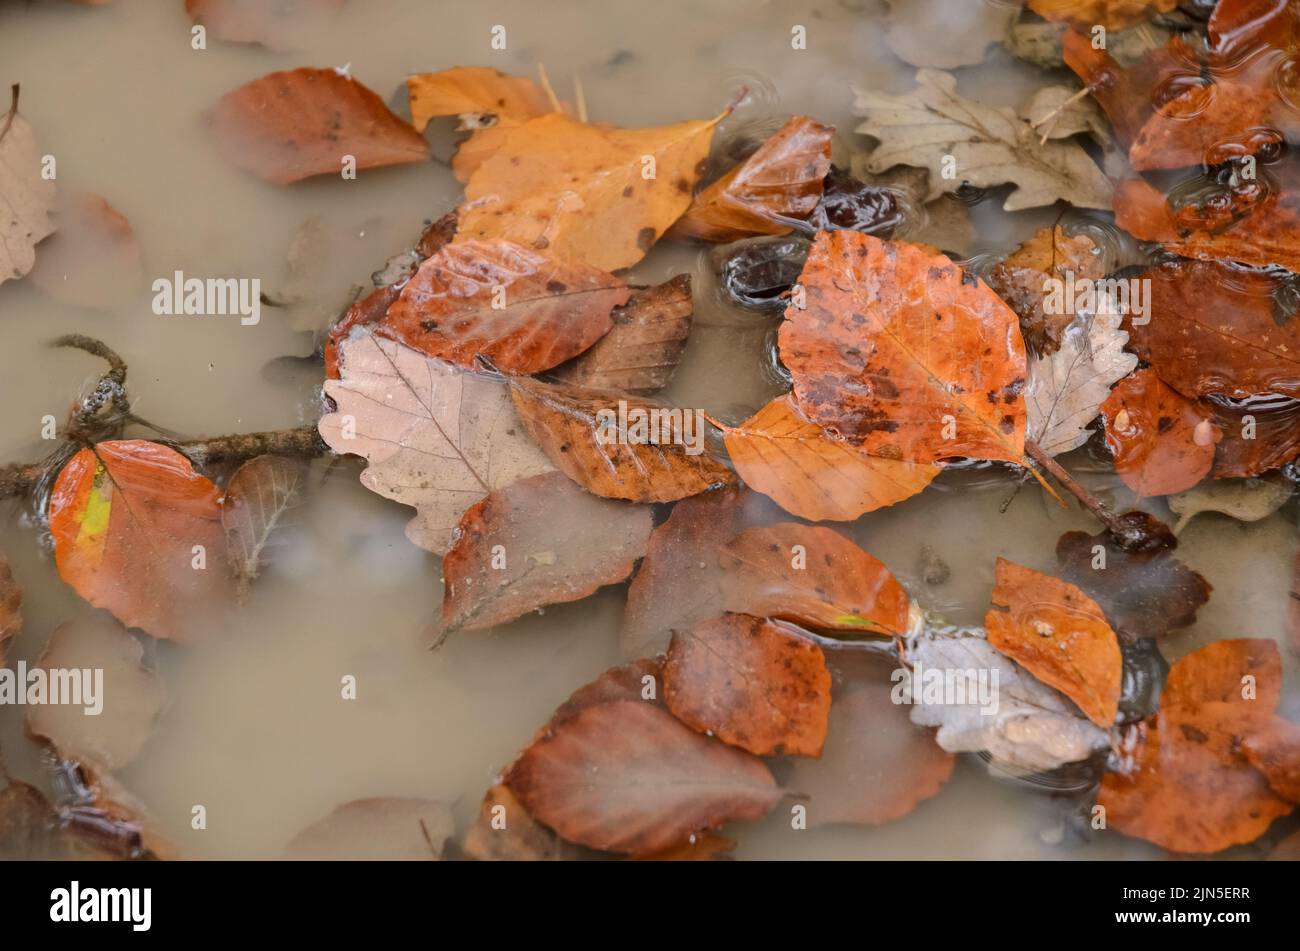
x=291 y=125
x=701 y=847
x=273 y=25
x=628 y=777
x=1274 y=750
x=636 y=680
x=611 y=444
x=367 y=311
x=1161 y=442
x=1293 y=607
x=524 y=311
x=1112 y=14
x=782 y=180
x=542 y=540
x=1143 y=593
x=877 y=765
x=813 y=576
x=751 y=683
x=1258 y=435
x=641 y=352
x=505 y=832
x=130 y=521
x=900 y=349
x=1059 y=635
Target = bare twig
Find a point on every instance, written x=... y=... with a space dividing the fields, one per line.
x=1114 y=524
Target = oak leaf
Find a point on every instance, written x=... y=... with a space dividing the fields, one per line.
x=750 y=682
x=288 y=126
x=1058 y=634
x=27 y=195
x=378 y=829
x=779 y=182
x=129 y=518
x=537 y=541
x=435 y=436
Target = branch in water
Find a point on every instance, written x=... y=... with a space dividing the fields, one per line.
x=1124 y=532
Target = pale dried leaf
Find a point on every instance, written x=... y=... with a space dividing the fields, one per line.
x=1246 y=500
x=25 y=195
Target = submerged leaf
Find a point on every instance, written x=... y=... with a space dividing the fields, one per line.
x=381 y=829
x=258 y=497
x=1246 y=500
x=93 y=260
x=11 y=601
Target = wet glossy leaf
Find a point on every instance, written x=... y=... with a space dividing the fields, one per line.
x=854 y=205
x=1112 y=14
x=758 y=274
x=1258 y=435
x=27 y=195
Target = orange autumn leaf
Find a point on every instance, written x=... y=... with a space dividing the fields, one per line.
x=811 y=575
x=602 y=196
x=903 y=352
x=812 y=474
x=127 y=519
x=524 y=311
x=1161 y=441
x=751 y=683
x=1059 y=635
x=1274 y=750
x=1182 y=780
x=782 y=180
x=291 y=125
x=1112 y=14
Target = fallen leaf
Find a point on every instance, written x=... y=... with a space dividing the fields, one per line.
x=856 y=205
x=258 y=497
x=1246 y=500
x=904 y=351
x=1274 y=750
x=1293 y=607
x=612 y=446
x=538 y=541
x=581 y=192
x=288 y=126
x=1112 y=14
x=110 y=729
x=366 y=312
x=1160 y=441
x=1180 y=780
x=628 y=777
x=701 y=847
x=992 y=147
x=1057 y=633
x=679 y=582
x=1214 y=329
x=381 y=829
x=1142 y=593
x=273 y=25
x=434 y=436
x=635 y=680
x=750 y=682
x=968 y=31
x=505 y=832
x=93 y=828
x=1057 y=112
x=524 y=311
x=26 y=192
x=813 y=576
x=1067 y=389
x=812 y=474
x=11 y=602
x=1021 y=723
x=877 y=765
x=1025 y=279
x=129 y=519
x=641 y=352
x=1259 y=435
x=779 y=182
x=92 y=260
x=946 y=222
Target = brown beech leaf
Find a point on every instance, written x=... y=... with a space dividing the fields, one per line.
x=1293 y=606
x=1161 y=441
x=618 y=447
x=291 y=125
x=1215 y=329
x=259 y=497
x=538 y=541
x=488 y=102
x=641 y=352
x=813 y=576
x=505 y=832
x=129 y=519
x=109 y=729
x=750 y=682
x=436 y=437
x=1112 y=14
x=782 y=180
x=877 y=765
x=701 y=847
x=524 y=311
x=811 y=473
x=1059 y=635
x=273 y=25
x=1274 y=749
x=578 y=191
x=1258 y=435
x=1143 y=593
x=93 y=259
x=679 y=582
x=901 y=350
x=1182 y=781
x=628 y=777
x=635 y=680
x=26 y=194
x=11 y=602
x=379 y=829
x=365 y=312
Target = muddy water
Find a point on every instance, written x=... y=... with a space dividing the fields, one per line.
x=254 y=728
